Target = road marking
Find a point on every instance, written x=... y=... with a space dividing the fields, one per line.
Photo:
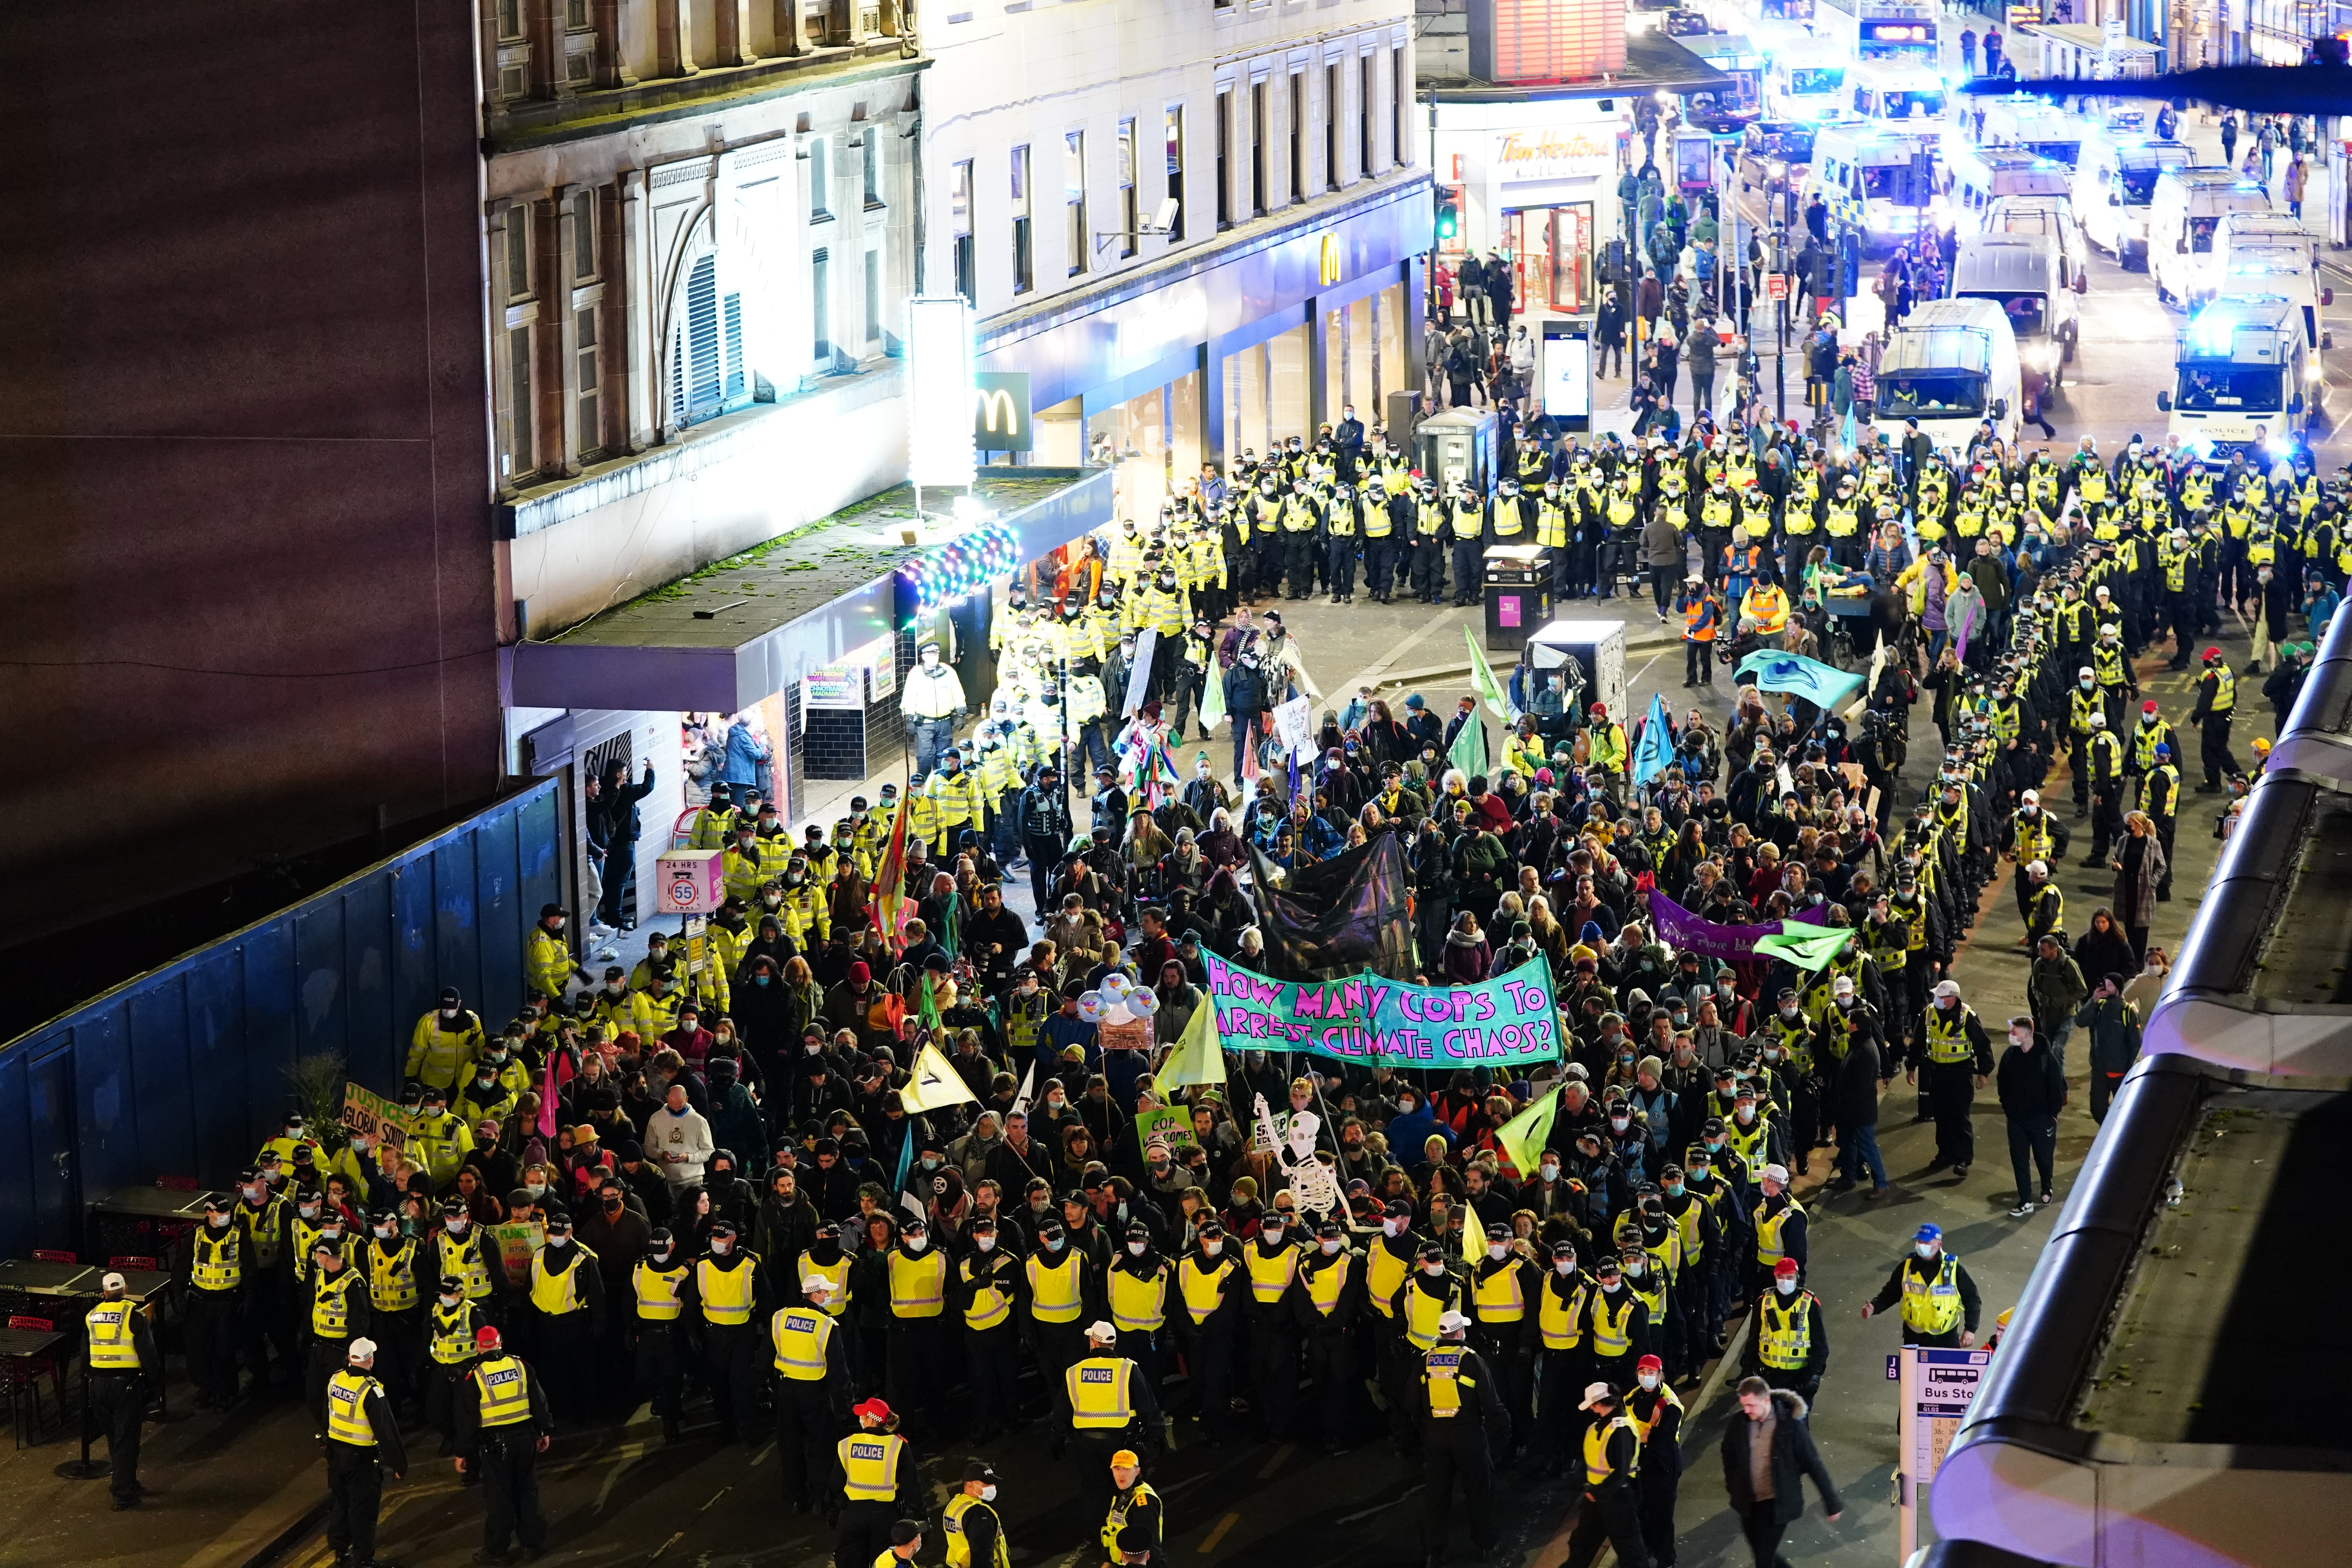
x=1371 y=677
x=721 y=1492
x=1209 y=1542
x=665 y=1545
x=1378 y=1507
x=1281 y=1456
x=759 y=1458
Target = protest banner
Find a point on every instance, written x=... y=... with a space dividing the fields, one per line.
x=1171 y=1125
x=1505 y=1022
x=364 y=1110
x=518 y=1245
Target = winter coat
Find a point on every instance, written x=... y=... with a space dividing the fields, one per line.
x=2056 y=988
x=1794 y=1459
x=2099 y=955
x=2135 y=889
x=2031 y=1083
x=1857 y=1089
x=2115 y=1034
x=748 y=755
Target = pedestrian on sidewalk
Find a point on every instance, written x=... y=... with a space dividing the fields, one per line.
x=1767 y=1454
x=2230 y=137
x=2032 y=1088
x=2114 y=1027
x=1968 y=50
x=2298 y=176
x=2054 y=990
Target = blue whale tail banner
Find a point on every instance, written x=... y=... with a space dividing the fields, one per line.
x=1337 y=917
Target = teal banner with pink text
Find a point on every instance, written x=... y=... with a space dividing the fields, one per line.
x=1506 y=1021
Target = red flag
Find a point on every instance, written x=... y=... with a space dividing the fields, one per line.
x=550 y=1084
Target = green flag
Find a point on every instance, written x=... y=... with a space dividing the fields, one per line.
x=1198 y=1058
x=1523 y=1137
x=1468 y=751
x=1807 y=946
x=927 y=1010
x=1212 y=698
x=1482 y=679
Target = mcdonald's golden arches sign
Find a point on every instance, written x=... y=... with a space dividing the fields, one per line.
x=1326 y=268
x=999 y=416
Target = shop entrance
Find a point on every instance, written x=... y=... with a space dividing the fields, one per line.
x=614 y=880
x=1552 y=249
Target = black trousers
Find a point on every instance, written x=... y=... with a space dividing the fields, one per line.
x=1611 y=1516
x=2213 y=747
x=443 y=1384
x=354 y=1497
x=509 y=1471
x=1562 y=1375
x=213 y=1323
x=118 y=1404
x=1274 y=1376
x=567 y=1350
x=805 y=1438
x=1660 y=1486
x=1763 y=1533
x=1452 y=1451
x=1331 y=1366
x=992 y=1362
x=1952 y=1088
x=922 y=1368
x=1209 y=1362
x=661 y=1367
x=863 y=1533
x=732 y=1361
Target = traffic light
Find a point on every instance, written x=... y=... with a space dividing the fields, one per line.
x=1449 y=217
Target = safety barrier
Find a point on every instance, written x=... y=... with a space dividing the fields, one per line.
x=181 y=1071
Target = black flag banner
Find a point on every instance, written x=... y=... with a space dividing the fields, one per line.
x=1337 y=917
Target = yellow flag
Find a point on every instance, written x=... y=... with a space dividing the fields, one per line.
x=1523 y=1137
x=935 y=1083
x=1473 y=1235
x=1198 y=1057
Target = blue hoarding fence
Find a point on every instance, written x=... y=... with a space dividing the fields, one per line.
x=182 y=1071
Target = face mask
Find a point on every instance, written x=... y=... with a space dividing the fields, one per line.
x=217 y=1221
x=985 y=1243
x=1434 y=1270
x=1391 y=1227
x=916 y=1242
x=721 y=1246
x=1745 y=1113
x=1330 y=1245
x=988 y=1494
x=1786 y=1287
x=1273 y=1234
x=1498 y=1250
x=1053 y=1244
x=1547 y=1170
x=1649 y=1380
x=930 y=1162
x=1212 y=1246
x=1618 y=1124
x=309 y=1211
x=1925 y=1248
x=252 y=1195
x=535 y=1189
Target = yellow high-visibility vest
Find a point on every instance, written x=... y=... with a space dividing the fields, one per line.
x=1785 y=1325
x=1596 y=1449
x=557 y=1291
x=1099 y=1394
x=1056 y=1293
x=660 y=1296
x=1933 y=1306
x=392 y=1280
x=989 y=1305
x=727 y=1295
x=1202 y=1288
x=918 y=1286
x=1138 y=1304
x=1422 y=1311
x=330 y=1311
x=112 y=1347
x=346 y=1416
x=1768 y=1250
x=1325 y=1286
x=505 y=1388
x=218 y=1262
x=1498 y=1297
x=464 y=1259
x=951 y=1518
x=1270 y=1276
x=836 y=1274
x=1384 y=1272
x=870 y=1462
x=801 y=1336
x=453 y=1333
x=1613 y=1335
x=1561 y=1322
x=1441 y=1376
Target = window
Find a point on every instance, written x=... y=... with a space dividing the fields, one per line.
x=518 y=441
x=519 y=251
x=708 y=377
x=1176 y=174
x=959 y=219
x=584 y=355
x=1024 y=276
x=509 y=18
x=820 y=180
x=1331 y=125
x=1225 y=158
x=874 y=296
x=1363 y=117
x=1074 y=196
x=583 y=234
x=1398 y=99
x=1127 y=220
x=871 y=165
x=1257 y=148
x=1297 y=136
x=575 y=13
x=821 y=301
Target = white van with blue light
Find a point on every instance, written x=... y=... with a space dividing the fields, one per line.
x=2189 y=205
x=1864 y=173
x=2114 y=190
x=1950 y=365
x=1978 y=176
x=2244 y=380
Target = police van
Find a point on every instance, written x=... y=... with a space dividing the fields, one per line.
x=2034 y=125
x=2285 y=264
x=1899 y=91
x=2189 y=205
x=1806 y=81
x=2026 y=276
x=1951 y=364
x=1979 y=175
x=2244 y=380
x=1874 y=178
x=2114 y=189
x=2238 y=234
x=2050 y=216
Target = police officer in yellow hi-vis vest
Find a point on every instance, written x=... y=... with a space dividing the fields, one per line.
x=812 y=1391
x=567 y=1294
x=1940 y=1304
x=362 y=1443
x=1461 y=1415
x=1656 y=1412
x=874 y=1469
x=1790 y=1346
x=729 y=1288
x=986 y=1284
x=1211 y=1289
x=451 y=1321
x=921 y=1364
x=337 y=1313
x=217 y=1278
x=1134 y=1524
x=974 y=1531
x=122 y=1356
x=1108 y=1404
x=501 y=1432
x=662 y=1284
x=1612 y=1511
x=1330 y=1306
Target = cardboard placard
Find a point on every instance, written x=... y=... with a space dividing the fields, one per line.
x=1131 y=1034
x=364 y=1110
x=518 y=1245
x=1171 y=1125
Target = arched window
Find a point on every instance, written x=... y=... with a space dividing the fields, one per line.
x=708 y=376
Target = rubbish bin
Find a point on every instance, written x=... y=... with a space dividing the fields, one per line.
x=1519 y=594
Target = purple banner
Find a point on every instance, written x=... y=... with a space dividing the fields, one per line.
x=1683 y=931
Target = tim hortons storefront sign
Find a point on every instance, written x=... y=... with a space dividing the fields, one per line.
x=1562 y=154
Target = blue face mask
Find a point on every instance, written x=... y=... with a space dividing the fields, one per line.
x=761 y=979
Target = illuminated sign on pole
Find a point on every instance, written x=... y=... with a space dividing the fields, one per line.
x=1000 y=419
x=939 y=392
